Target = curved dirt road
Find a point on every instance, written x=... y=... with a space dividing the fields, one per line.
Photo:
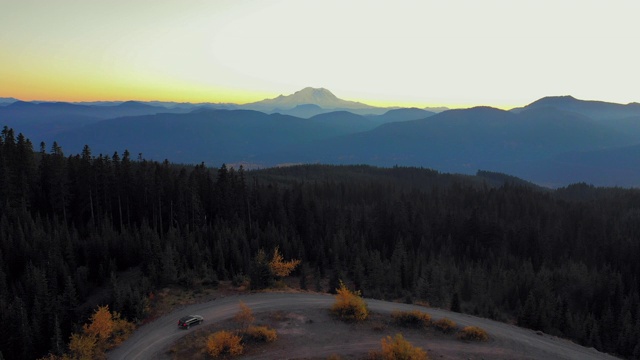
x=152 y=340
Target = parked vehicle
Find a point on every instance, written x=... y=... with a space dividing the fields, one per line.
x=185 y=322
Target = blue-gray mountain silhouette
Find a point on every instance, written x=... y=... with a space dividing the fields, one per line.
x=597 y=110
x=554 y=141
x=321 y=97
x=43 y=121
x=210 y=136
x=404 y=114
x=4 y=101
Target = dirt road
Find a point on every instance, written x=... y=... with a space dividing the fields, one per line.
x=152 y=340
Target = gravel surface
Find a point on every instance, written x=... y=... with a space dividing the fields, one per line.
x=324 y=336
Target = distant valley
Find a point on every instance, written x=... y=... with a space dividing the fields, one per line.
x=553 y=141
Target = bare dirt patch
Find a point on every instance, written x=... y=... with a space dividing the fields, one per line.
x=309 y=331
x=316 y=334
x=170 y=298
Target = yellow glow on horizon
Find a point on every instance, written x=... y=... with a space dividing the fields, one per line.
x=38 y=89
x=37 y=74
x=53 y=85
x=70 y=88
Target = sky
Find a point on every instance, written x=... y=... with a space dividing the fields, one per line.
x=455 y=53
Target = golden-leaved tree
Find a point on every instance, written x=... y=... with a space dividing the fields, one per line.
x=280 y=267
x=104 y=331
x=264 y=272
x=82 y=347
x=101 y=325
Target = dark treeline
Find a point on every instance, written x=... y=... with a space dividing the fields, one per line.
x=73 y=230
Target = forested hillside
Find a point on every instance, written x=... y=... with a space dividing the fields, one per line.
x=563 y=261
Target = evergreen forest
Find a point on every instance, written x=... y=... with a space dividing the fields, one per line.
x=563 y=261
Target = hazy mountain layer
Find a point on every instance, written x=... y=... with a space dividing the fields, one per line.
x=210 y=136
x=598 y=110
x=43 y=121
x=571 y=141
x=468 y=140
x=6 y=101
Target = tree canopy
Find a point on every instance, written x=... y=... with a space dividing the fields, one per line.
x=561 y=261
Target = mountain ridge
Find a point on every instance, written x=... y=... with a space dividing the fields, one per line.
x=526 y=142
x=4 y=101
x=318 y=96
x=595 y=109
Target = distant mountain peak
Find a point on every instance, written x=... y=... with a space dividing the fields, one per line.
x=594 y=109
x=315 y=96
x=554 y=101
x=21 y=103
x=309 y=95
x=133 y=103
x=318 y=92
x=7 y=100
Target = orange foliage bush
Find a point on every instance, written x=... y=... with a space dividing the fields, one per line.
x=262 y=333
x=445 y=325
x=399 y=348
x=280 y=267
x=349 y=306
x=121 y=330
x=104 y=331
x=244 y=316
x=83 y=347
x=101 y=325
x=224 y=343
x=473 y=333
x=412 y=318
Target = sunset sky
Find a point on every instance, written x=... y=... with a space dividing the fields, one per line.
x=455 y=53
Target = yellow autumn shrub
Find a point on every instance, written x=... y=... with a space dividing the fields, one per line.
x=349 y=305
x=83 y=347
x=121 y=330
x=445 y=325
x=473 y=333
x=398 y=348
x=262 y=333
x=414 y=318
x=223 y=343
x=244 y=316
